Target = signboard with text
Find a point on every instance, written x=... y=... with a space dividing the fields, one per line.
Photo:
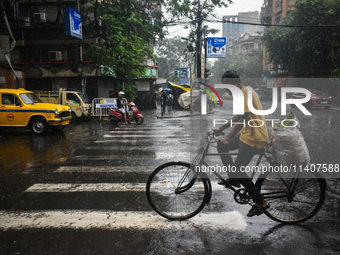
x=73 y=24
x=181 y=73
x=216 y=47
x=108 y=103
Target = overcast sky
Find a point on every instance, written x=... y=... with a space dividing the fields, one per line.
x=233 y=9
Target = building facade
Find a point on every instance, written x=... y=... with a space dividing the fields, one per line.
x=272 y=12
x=235 y=26
x=246 y=45
x=44 y=58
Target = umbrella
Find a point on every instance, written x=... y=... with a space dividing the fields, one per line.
x=165 y=89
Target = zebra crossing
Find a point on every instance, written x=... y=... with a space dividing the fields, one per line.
x=85 y=219
x=134 y=151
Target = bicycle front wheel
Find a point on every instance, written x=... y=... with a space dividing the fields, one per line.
x=175 y=192
x=292 y=200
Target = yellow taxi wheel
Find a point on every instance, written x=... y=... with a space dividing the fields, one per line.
x=38 y=126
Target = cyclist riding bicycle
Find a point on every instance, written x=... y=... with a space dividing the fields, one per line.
x=251 y=139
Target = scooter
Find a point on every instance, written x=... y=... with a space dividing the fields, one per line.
x=132 y=114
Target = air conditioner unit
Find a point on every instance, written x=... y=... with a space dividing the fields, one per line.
x=40 y=17
x=55 y=55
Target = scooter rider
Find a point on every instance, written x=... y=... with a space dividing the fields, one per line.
x=121 y=103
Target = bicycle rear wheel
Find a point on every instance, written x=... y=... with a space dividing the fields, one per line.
x=292 y=200
x=175 y=192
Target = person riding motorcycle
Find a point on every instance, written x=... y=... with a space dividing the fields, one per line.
x=121 y=102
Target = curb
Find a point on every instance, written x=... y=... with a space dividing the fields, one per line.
x=183 y=116
x=172 y=117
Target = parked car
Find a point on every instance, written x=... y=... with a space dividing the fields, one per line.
x=318 y=99
x=22 y=108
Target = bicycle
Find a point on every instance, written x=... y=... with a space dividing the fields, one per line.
x=177 y=192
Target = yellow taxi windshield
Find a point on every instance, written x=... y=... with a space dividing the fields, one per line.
x=29 y=98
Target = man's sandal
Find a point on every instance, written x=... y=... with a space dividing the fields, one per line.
x=257 y=209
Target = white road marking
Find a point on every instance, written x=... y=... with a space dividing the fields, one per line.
x=85 y=187
x=154 y=127
x=132 y=141
x=156 y=156
x=134 y=147
x=144 y=136
x=144 y=131
x=94 y=187
x=105 y=219
x=105 y=169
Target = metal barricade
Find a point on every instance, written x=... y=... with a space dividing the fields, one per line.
x=101 y=107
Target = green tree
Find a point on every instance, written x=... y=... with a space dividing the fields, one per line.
x=309 y=46
x=248 y=66
x=127 y=31
x=171 y=53
x=197 y=11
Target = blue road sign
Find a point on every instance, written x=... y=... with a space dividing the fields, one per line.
x=216 y=47
x=181 y=73
x=73 y=24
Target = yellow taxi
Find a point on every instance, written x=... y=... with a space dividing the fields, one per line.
x=22 y=108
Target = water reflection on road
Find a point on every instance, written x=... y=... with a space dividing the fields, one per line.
x=21 y=152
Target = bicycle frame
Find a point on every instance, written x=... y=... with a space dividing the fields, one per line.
x=294 y=193
x=200 y=160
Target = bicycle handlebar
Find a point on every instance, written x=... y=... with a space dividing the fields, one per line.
x=211 y=136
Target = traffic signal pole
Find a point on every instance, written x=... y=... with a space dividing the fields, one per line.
x=205 y=53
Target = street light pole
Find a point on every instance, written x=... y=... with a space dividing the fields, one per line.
x=199 y=42
x=203 y=96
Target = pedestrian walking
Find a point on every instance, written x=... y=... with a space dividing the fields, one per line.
x=170 y=101
x=164 y=98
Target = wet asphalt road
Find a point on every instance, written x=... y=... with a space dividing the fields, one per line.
x=82 y=192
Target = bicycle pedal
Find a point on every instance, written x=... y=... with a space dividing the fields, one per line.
x=226 y=184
